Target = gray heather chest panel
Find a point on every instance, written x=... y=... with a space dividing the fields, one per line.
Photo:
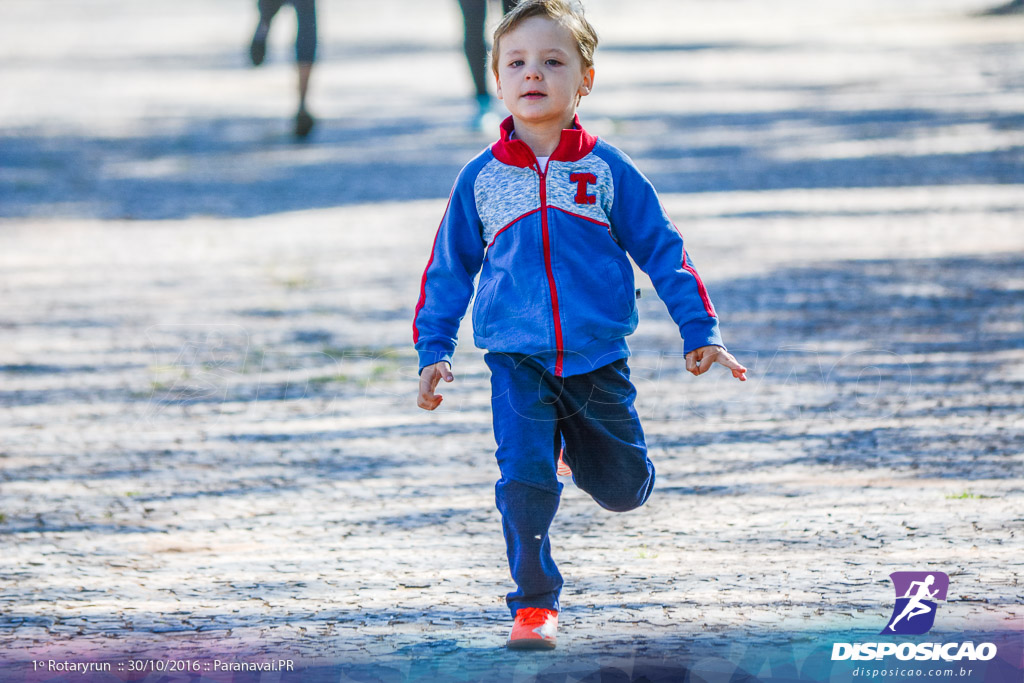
x=563 y=192
x=505 y=193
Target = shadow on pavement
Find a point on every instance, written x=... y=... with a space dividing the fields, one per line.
x=915 y=315
x=237 y=167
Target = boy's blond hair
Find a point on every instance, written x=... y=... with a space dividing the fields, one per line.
x=569 y=13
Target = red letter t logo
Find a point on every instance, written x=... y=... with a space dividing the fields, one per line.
x=582 y=180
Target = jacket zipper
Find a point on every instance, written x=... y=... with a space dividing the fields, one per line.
x=547 y=265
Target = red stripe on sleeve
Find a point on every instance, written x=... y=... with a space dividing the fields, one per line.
x=423 y=282
x=700 y=287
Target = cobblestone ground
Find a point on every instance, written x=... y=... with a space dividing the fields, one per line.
x=208 y=437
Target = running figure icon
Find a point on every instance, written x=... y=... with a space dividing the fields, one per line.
x=917 y=595
x=915 y=607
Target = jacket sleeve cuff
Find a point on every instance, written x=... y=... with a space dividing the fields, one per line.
x=431 y=357
x=698 y=333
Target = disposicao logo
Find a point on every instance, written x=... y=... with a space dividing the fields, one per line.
x=917 y=594
x=917 y=598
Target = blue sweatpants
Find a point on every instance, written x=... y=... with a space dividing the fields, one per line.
x=534 y=414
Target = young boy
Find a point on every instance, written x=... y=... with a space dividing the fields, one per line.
x=547 y=215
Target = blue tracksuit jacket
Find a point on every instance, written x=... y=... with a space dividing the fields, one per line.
x=551 y=248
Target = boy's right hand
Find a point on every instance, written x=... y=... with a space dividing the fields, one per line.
x=431 y=375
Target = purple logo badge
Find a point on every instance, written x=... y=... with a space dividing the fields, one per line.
x=916 y=596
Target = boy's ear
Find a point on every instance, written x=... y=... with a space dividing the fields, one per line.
x=588 y=82
x=497 y=86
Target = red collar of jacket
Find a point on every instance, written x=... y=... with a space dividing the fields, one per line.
x=575 y=144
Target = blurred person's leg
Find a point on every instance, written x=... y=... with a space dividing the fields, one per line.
x=268 y=8
x=305 y=55
x=474 y=13
x=303 y=119
x=258 y=46
x=474 y=45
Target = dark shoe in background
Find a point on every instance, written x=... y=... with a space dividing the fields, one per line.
x=303 y=124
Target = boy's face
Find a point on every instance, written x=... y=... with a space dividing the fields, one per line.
x=540 y=73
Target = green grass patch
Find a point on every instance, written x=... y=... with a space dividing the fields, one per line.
x=966 y=495
x=329 y=379
x=367 y=352
x=645 y=553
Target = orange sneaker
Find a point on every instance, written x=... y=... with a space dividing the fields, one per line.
x=563 y=469
x=534 y=629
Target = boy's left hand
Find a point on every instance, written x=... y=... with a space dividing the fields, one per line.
x=700 y=361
